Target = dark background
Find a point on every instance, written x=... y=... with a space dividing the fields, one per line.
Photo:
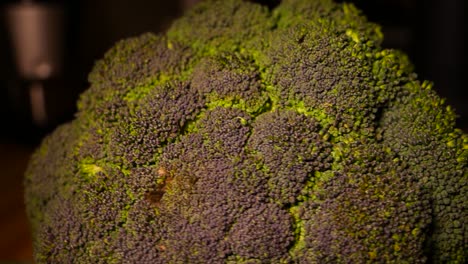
x=431 y=32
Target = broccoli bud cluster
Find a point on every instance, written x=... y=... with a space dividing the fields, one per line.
x=249 y=134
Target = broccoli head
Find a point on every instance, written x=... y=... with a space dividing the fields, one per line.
x=250 y=134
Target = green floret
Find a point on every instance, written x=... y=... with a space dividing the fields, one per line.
x=254 y=134
x=222 y=26
x=419 y=128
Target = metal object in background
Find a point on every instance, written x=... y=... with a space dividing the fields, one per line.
x=36 y=32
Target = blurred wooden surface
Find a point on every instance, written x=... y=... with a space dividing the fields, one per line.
x=15 y=237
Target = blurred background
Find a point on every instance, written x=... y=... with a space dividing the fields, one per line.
x=47 y=48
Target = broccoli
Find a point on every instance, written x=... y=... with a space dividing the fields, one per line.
x=254 y=134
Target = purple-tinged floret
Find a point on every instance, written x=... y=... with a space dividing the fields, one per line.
x=263 y=233
x=290 y=150
x=160 y=118
x=366 y=212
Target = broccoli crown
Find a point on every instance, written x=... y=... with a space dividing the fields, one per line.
x=249 y=134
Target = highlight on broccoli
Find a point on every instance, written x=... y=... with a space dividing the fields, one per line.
x=249 y=134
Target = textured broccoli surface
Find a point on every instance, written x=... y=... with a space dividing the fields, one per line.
x=249 y=134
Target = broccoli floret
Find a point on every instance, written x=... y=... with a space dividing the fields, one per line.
x=254 y=134
x=419 y=128
x=370 y=210
x=289 y=149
